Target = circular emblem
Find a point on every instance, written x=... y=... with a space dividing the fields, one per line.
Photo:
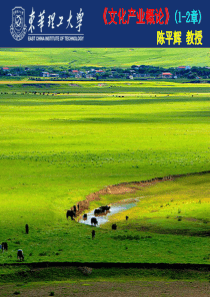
x=18 y=27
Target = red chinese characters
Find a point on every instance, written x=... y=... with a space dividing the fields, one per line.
x=148 y=16
x=112 y=16
x=140 y=16
x=121 y=16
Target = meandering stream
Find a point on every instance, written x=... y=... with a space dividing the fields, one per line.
x=115 y=208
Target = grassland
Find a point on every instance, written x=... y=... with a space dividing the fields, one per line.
x=69 y=140
x=104 y=57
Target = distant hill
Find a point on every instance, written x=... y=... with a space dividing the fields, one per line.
x=98 y=57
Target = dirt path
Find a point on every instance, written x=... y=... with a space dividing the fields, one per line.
x=115 y=289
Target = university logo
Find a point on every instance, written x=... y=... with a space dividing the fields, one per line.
x=18 y=28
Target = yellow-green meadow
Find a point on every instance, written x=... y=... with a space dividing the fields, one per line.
x=67 y=140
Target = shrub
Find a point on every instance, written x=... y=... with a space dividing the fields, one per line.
x=43 y=254
x=85 y=270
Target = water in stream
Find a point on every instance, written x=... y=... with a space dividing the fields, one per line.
x=115 y=208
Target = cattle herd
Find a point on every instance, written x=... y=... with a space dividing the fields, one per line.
x=102 y=210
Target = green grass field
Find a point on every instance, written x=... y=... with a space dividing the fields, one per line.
x=58 y=148
x=104 y=57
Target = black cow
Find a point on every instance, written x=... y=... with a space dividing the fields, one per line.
x=27 y=228
x=101 y=210
x=97 y=211
x=104 y=208
x=4 y=246
x=126 y=218
x=114 y=226
x=94 y=221
x=20 y=255
x=84 y=216
x=93 y=234
x=70 y=213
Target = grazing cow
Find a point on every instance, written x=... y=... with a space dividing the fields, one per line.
x=84 y=216
x=27 y=228
x=126 y=218
x=93 y=234
x=94 y=221
x=20 y=255
x=74 y=207
x=4 y=246
x=70 y=213
x=114 y=226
